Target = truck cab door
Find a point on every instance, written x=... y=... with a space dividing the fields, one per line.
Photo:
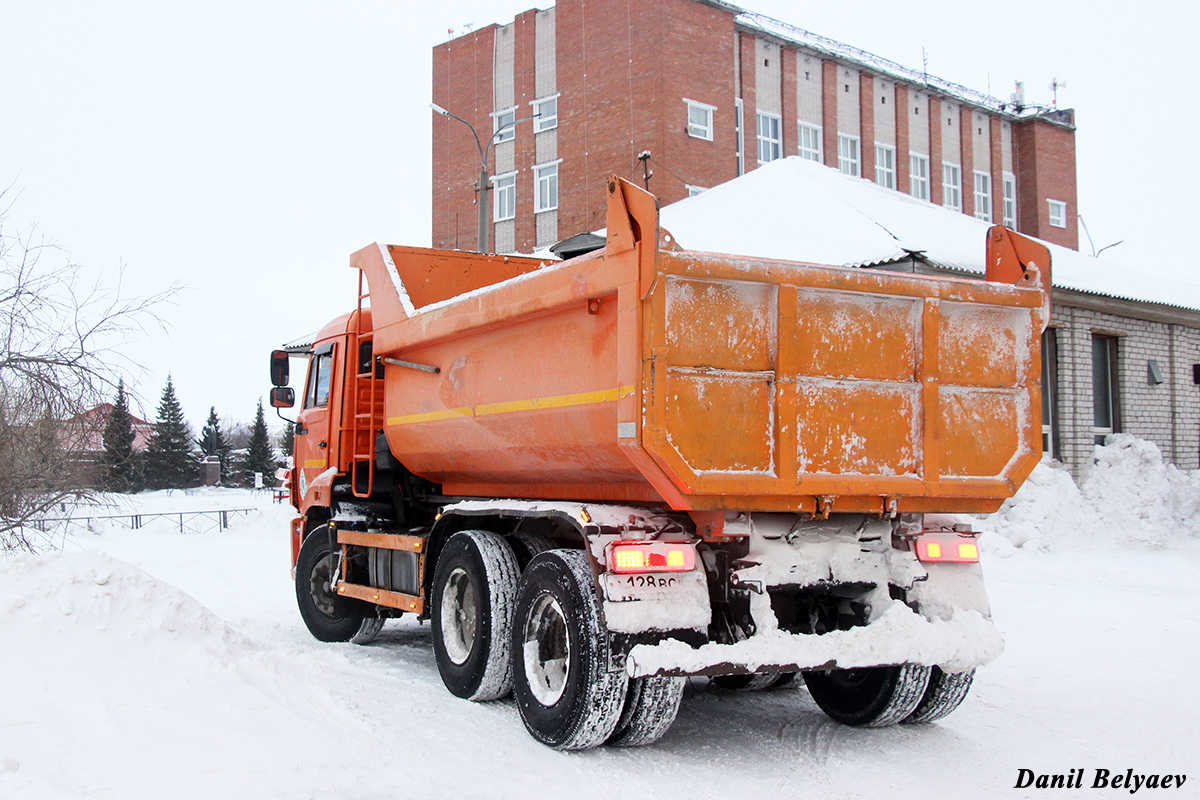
x=314 y=448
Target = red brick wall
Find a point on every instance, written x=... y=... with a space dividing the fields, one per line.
x=1045 y=171
x=462 y=84
x=866 y=124
x=829 y=113
x=966 y=146
x=788 y=110
x=935 y=150
x=996 y=144
x=900 y=109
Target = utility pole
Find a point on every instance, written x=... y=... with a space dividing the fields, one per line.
x=485 y=185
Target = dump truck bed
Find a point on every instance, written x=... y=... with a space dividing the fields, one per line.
x=710 y=383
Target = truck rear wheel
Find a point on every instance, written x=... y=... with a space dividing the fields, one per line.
x=869 y=697
x=946 y=692
x=651 y=705
x=567 y=697
x=329 y=618
x=474 y=587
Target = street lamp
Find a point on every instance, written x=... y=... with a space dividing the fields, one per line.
x=484 y=179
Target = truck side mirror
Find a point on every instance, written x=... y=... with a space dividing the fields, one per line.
x=279 y=370
x=283 y=397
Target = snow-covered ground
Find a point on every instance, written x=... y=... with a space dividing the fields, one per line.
x=153 y=663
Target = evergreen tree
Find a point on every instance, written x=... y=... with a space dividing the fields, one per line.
x=169 y=460
x=212 y=443
x=119 y=463
x=259 y=455
x=287 y=438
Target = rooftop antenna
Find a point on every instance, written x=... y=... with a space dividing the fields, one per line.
x=924 y=65
x=1018 y=95
x=1055 y=85
x=644 y=157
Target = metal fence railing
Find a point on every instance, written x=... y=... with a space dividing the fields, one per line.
x=189 y=521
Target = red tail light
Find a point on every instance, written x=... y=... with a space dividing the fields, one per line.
x=626 y=557
x=947 y=547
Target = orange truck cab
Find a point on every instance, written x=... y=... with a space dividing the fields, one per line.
x=596 y=477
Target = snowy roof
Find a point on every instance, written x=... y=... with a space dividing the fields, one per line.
x=799 y=210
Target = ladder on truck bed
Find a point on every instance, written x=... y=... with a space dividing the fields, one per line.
x=367 y=420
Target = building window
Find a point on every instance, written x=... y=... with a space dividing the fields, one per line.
x=810 y=142
x=695 y=190
x=848 y=155
x=504 y=197
x=1050 y=438
x=770 y=139
x=1105 y=395
x=1010 y=200
x=951 y=186
x=700 y=120
x=1058 y=213
x=983 y=196
x=885 y=166
x=545 y=114
x=504 y=125
x=545 y=181
x=918 y=177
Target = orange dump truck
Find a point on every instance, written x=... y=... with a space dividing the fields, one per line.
x=597 y=476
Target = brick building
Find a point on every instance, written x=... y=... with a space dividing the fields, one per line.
x=579 y=90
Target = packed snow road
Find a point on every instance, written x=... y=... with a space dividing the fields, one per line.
x=152 y=663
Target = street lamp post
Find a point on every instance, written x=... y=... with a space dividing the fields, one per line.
x=484 y=179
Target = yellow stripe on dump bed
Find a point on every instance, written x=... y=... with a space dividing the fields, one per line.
x=561 y=401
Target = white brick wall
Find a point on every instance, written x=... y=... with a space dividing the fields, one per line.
x=1167 y=414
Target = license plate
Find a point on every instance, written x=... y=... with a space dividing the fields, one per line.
x=651 y=586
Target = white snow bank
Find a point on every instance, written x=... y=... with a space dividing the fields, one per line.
x=900 y=635
x=1129 y=496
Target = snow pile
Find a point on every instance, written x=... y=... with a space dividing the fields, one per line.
x=1129 y=496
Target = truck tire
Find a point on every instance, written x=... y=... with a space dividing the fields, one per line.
x=474 y=587
x=946 y=692
x=870 y=697
x=368 y=631
x=567 y=697
x=329 y=618
x=651 y=705
x=747 y=683
x=527 y=546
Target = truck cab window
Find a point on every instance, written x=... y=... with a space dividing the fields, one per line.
x=319 y=372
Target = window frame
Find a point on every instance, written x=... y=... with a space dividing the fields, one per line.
x=1106 y=401
x=702 y=132
x=510 y=130
x=1009 y=182
x=854 y=160
x=952 y=189
x=811 y=153
x=983 y=197
x=918 y=178
x=1051 y=440
x=320 y=366
x=774 y=145
x=888 y=170
x=504 y=185
x=542 y=174
x=695 y=190
x=1061 y=206
x=543 y=122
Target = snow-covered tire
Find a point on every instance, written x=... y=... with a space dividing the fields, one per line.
x=651 y=705
x=527 y=546
x=945 y=693
x=567 y=697
x=871 y=697
x=328 y=617
x=474 y=588
x=747 y=683
x=368 y=631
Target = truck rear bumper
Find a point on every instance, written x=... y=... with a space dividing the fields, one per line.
x=898 y=636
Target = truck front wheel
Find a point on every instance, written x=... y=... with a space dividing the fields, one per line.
x=474 y=588
x=869 y=697
x=566 y=694
x=329 y=618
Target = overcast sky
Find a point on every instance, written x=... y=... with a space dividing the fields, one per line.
x=245 y=149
